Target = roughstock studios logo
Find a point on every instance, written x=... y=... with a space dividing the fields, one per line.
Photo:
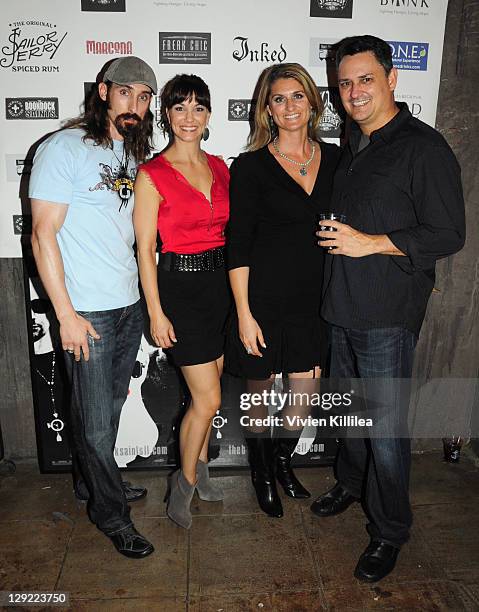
x=261 y=53
x=330 y=126
x=31 y=108
x=32 y=47
x=322 y=52
x=17 y=166
x=185 y=48
x=338 y=9
x=112 y=6
x=409 y=55
x=240 y=109
x=108 y=47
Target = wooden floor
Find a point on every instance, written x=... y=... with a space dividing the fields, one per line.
x=235 y=558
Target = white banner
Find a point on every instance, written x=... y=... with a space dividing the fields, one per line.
x=51 y=50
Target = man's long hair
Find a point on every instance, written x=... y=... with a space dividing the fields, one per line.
x=96 y=124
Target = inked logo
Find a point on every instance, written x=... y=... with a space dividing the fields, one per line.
x=30 y=45
x=261 y=54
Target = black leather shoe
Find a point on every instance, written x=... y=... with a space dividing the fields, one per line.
x=284 y=448
x=260 y=457
x=334 y=501
x=130 y=543
x=376 y=562
x=132 y=492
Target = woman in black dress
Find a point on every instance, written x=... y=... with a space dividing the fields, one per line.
x=277 y=190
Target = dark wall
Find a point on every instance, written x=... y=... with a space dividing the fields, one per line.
x=449 y=343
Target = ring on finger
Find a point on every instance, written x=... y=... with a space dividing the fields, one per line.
x=70 y=350
x=249 y=350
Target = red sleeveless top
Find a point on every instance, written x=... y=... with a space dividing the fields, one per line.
x=187 y=221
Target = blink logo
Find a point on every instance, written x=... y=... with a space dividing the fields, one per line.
x=342 y=9
x=406 y=3
x=31 y=108
x=185 y=48
x=409 y=55
x=239 y=110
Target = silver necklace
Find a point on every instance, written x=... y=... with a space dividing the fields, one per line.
x=302 y=165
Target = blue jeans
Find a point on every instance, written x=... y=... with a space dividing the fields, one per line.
x=377 y=469
x=99 y=389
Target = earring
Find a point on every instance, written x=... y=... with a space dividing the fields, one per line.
x=272 y=125
x=206 y=133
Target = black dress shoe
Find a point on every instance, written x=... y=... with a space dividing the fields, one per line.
x=284 y=448
x=334 y=501
x=130 y=543
x=132 y=493
x=376 y=562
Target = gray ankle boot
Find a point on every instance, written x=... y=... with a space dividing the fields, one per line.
x=179 y=500
x=207 y=489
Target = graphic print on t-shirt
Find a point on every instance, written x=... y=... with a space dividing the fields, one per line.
x=119 y=179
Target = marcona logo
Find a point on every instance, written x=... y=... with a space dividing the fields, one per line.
x=113 y=6
x=262 y=54
x=185 y=48
x=31 y=108
x=330 y=126
x=108 y=47
x=239 y=109
x=409 y=55
x=30 y=45
x=331 y=8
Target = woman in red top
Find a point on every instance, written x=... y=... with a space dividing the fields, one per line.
x=183 y=193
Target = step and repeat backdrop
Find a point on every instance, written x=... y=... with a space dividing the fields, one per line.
x=50 y=55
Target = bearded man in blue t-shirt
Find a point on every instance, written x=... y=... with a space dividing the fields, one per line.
x=81 y=190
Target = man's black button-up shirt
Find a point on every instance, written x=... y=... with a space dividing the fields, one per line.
x=407 y=184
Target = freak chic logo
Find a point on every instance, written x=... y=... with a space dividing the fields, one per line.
x=342 y=9
x=409 y=55
x=31 y=108
x=108 y=47
x=111 y=6
x=263 y=53
x=185 y=48
x=31 y=46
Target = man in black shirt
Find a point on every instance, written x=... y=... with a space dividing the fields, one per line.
x=398 y=183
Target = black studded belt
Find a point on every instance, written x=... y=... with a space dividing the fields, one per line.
x=206 y=261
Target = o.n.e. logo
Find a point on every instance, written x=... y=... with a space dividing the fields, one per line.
x=31 y=108
x=32 y=46
x=185 y=48
x=337 y=9
x=107 y=6
x=409 y=55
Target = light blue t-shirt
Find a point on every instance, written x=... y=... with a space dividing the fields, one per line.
x=96 y=239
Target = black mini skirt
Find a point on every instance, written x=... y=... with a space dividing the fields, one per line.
x=197 y=304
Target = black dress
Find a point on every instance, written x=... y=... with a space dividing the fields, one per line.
x=272 y=231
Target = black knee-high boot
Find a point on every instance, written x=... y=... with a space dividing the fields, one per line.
x=284 y=443
x=261 y=460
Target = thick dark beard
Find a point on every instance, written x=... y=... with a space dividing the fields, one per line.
x=131 y=132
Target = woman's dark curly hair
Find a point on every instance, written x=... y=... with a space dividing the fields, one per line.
x=94 y=121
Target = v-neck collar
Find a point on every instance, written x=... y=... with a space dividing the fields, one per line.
x=182 y=177
x=287 y=178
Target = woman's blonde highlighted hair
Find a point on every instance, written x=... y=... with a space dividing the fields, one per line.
x=263 y=131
